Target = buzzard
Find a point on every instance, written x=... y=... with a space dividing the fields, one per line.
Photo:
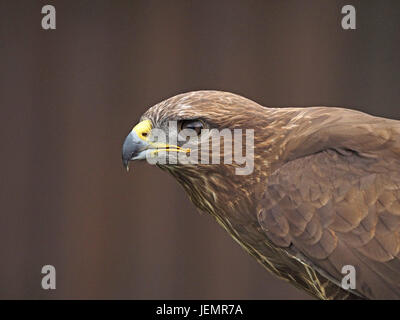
x=323 y=195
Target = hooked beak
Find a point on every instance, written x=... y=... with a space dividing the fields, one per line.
x=133 y=149
x=137 y=145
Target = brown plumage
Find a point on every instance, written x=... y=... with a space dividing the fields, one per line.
x=325 y=191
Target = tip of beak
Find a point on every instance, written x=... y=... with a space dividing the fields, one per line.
x=126 y=165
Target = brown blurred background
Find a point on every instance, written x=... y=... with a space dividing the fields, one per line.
x=69 y=96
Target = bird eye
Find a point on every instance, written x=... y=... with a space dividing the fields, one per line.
x=195 y=125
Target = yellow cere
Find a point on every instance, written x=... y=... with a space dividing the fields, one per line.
x=143 y=129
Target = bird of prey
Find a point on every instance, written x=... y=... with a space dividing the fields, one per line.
x=324 y=192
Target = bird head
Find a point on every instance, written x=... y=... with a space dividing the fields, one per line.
x=194 y=128
x=206 y=139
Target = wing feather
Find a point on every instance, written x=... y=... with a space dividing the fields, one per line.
x=337 y=208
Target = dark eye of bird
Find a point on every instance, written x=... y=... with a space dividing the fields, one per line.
x=195 y=125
